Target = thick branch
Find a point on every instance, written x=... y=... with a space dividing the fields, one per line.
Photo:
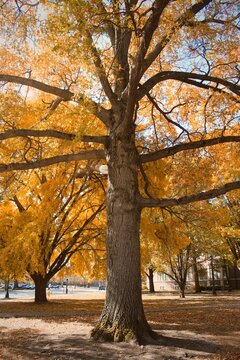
x=18 y=204
x=186 y=77
x=64 y=94
x=51 y=133
x=83 y=155
x=101 y=73
x=179 y=23
x=148 y=31
x=160 y=154
x=203 y=195
x=151 y=25
x=102 y=113
x=216 y=21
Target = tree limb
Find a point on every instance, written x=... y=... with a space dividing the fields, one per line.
x=18 y=204
x=51 y=133
x=82 y=155
x=101 y=73
x=147 y=34
x=186 y=77
x=62 y=93
x=179 y=23
x=163 y=153
x=203 y=195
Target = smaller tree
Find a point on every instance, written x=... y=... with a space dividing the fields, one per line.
x=177 y=266
x=168 y=246
x=8 y=270
x=54 y=220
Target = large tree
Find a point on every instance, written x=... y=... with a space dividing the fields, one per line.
x=161 y=76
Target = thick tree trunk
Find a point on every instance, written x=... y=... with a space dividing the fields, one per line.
x=150 y=280
x=123 y=317
x=40 y=282
x=196 y=277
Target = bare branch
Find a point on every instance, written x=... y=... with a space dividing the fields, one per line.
x=18 y=204
x=51 y=133
x=203 y=195
x=148 y=31
x=160 y=154
x=83 y=155
x=186 y=77
x=64 y=94
x=165 y=115
x=101 y=73
x=179 y=23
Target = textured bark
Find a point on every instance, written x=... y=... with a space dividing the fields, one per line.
x=123 y=317
x=7 y=289
x=15 y=284
x=40 y=282
x=150 y=280
x=226 y=270
x=64 y=94
x=196 y=277
x=182 y=291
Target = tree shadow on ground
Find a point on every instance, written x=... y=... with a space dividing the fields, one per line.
x=32 y=345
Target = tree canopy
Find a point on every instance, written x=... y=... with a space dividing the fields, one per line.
x=139 y=91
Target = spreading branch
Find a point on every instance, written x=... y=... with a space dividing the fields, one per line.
x=166 y=152
x=51 y=133
x=82 y=155
x=101 y=73
x=62 y=93
x=203 y=195
x=178 y=24
x=188 y=78
x=147 y=34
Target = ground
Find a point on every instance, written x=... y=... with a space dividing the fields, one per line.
x=198 y=327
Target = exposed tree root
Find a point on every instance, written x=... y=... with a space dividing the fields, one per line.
x=120 y=334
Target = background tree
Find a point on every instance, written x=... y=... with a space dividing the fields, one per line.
x=153 y=74
x=230 y=230
x=57 y=216
x=7 y=268
x=174 y=249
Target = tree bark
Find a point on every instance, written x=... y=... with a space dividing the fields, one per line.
x=40 y=282
x=7 y=289
x=123 y=317
x=196 y=276
x=182 y=291
x=15 y=284
x=226 y=269
x=150 y=280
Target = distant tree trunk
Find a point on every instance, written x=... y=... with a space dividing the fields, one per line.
x=150 y=279
x=213 y=277
x=123 y=317
x=182 y=287
x=226 y=269
x=222 y=282
x=7 y=289
x=40 y=282
x=15 y=284
x=196 y=276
